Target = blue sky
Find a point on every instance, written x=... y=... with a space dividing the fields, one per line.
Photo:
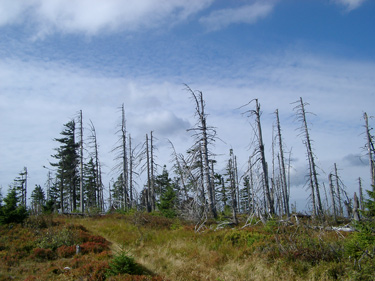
x=58 y=57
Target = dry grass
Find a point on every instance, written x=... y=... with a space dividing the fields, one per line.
x=171 y=250
x=178 y=253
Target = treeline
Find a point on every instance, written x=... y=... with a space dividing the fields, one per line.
x=195 y=190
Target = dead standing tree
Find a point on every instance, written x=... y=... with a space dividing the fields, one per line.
x=284 y=183
x=370 y=150
x=204 y=135
x=150 y=164
x=122 y=158
x=262 y=158
x=81 y=203
x=313 y=175
x=231 y=169
x=93 y=144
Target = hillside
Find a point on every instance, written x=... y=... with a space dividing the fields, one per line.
x=43 y=248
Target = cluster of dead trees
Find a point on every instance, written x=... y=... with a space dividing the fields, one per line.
x=196 y=189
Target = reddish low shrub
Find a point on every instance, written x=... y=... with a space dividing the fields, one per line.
x=97 y=239
x=66 y=251
x=94 y=270
x=41 y=254
x=93 y=247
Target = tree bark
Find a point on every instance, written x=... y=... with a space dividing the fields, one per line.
x=283 y=170
x=266 y=186
x=370 y=149
x=313 y=173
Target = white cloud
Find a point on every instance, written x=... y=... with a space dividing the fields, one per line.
x=350 y=4
x=93 y=16
x=10 y=11
x=164 y=123
x=246 y=14
x=37 y=98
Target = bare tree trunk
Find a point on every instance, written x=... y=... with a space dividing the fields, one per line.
x=251 y=187
x=283 y=170
x=341 y=212
x=370 y=149
x=180 y=171
x=148 y=196
x=361 y=195
x=313 y=199
x=232 y=181
x=203 y=140
x=125 y=159
x=212 y=180
x=152 y=173
x=81 y=207
x=266 y=186
x=313 y=173
x=98 y=175
x=332 y=192
x=131 y=172
x=206 y=167
x=73 y=186
x=235 y=170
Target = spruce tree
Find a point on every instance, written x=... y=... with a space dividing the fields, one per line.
x=38 y=199
x=67 y=167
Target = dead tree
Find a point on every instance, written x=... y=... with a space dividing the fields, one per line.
x=284 y=183
x=131 y=163
x=149 y=167
x=261 y=151
x=152 y=167
x=341 y=213
x=251 y=188
x=179 y=169
x=148 y=193
x=370 y=150
x=332 y=193
x=93 y=143
x=313 y=175
x=232 y=183
x=122 y=158
x=204 y=135
x=81 y=203
x=362 y=207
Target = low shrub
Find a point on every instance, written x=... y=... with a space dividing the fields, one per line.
x=66 y=251
x=41 y=254
x=54 y=238
x=93 y=247
x=94 y=271
x=123 y=264
x=10 y=260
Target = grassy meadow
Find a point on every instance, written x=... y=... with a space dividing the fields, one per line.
x=152 y=247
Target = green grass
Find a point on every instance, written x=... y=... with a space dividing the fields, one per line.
x=156 y=246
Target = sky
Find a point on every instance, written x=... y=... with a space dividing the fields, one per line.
x=58 y=57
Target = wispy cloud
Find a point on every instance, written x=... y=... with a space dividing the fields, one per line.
x=38 y=97
x=349 y=5
x=245 y=14
x=94 y=16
